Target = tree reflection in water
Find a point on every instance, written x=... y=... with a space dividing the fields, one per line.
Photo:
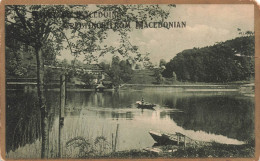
x=229 y=116
x=226 y=114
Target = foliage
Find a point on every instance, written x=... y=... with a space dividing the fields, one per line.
x=51 y=21
x=232 y=60
x=119 y=72
x=22 y=119
x=216 y=150
x=144 y=76
x=46 y=28
x=87 y=148
x=138 y=66
x=49 y=75
x=162 y=63
x=133 y=153
x=87 y=78
x=82 y=144
x=158 y=75
x=174 y=77
x=52 y=28
x=18 y=64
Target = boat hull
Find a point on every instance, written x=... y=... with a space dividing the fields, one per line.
x=163 y=139
x=146 y=106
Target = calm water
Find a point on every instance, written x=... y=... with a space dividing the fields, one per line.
x=225 y=117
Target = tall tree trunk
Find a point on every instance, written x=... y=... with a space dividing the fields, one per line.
x=42 y=103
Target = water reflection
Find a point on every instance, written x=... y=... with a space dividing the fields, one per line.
x=22 y=118
x=222 y=117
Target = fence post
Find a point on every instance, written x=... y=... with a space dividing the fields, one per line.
x=61 y=113
x=116 y=138
x=178 y=139
x=112 y=142
x=184 y=141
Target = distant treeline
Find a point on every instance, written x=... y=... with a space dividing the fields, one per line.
x=232 y=60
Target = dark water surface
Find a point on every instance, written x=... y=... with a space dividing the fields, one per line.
x=225 y=117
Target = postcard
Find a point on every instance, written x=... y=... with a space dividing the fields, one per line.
x=129 y=80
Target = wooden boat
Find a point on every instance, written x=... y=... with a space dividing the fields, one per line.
x=145 y=105
x=170 y=139
x=174 y=139
x=163 y=138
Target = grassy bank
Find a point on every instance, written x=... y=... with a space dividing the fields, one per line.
x=80 y=147
x=197 y=149
x=147 y=76
x=215 y=150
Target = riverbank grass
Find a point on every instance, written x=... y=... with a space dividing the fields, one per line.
x=213 y=150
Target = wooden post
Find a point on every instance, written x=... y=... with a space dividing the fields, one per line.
x=62 y=94
x=178 y=139
x=117 y=127
x=112 y=142
x=184 y=141
x=61 y=113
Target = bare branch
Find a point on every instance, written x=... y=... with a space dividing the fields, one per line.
x=25 y=23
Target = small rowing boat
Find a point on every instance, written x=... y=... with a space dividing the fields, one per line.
x=174 y=139
x=163 y=138
x=145 y=105
x=170 y=139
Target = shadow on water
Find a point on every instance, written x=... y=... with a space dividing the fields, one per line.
x=91 y=114
x=222 y=115
x=22 y=119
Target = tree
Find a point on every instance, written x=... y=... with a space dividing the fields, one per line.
x=158 y=75
x=126 y=71
x=88 y=79
x=232 y=60
x=119 y=71
x=14 y=64
x=64 y=63
x=23 y=25
x=174 y=77
x=48 y=27
x=159 y=78
x=19 y=60
x=138 y=66
x=162 y=62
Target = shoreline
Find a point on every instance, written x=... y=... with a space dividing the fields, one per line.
x=243 y=88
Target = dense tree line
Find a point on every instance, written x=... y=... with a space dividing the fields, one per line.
x=232 y=60
x=119 y=71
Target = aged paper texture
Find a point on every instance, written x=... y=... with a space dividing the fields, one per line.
x=129 y=80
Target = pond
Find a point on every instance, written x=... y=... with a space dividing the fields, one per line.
x=224 y=117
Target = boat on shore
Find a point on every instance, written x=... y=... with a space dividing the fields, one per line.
x=163 y=138
x=170 y=139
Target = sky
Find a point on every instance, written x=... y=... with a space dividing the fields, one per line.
x=206 y=24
